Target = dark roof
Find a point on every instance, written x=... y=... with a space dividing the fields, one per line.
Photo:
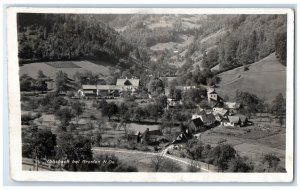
x=133 y=82
x=197 y=122
x=209 y=118
x=213 y=103
x=180 y=138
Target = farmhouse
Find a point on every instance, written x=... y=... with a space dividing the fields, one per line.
x=196 y=125
x=130 y=85
x=237 y=120
x=231 y=121
x=206 y=119
x=232 y=107
x=171 y=103
x=213 y=98
x=123 y=85
x=99 y=90
x=220 y=111
x=142 y=133
x=183 y=137
x=185 y=88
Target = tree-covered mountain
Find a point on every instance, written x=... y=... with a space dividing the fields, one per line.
x=164 y=44
x=228 y=40
x=69 y=36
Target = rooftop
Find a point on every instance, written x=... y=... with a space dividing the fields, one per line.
x=127 y=82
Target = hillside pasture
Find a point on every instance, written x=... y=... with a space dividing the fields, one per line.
x=265 y=78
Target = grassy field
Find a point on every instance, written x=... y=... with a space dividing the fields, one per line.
x=265 y=78
x=51 y=68
x=141 y=160
x=252 y=141
x=186 y=40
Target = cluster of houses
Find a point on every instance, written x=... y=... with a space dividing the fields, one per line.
x=224 y=113
x=122 y=86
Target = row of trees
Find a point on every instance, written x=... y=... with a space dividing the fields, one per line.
x=127 y=111
x=41 y=144
x=251 y=104
x=28 y=83
x=226 y=158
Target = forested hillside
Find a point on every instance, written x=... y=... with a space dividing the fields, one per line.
x=166 y=45
x=228 y=40
x=67 y=37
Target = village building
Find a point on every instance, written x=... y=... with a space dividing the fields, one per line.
x=207 y=119
x=99 y=90
x=171 y=103
x=185 y=88
x=231 y=121
x=122 y=85
x=142 y=134
x=213 y=98
x=220 y=111
x=183 y=137
x=232 y=107
x=196 y=125
x=130 y=85
x=235 y=121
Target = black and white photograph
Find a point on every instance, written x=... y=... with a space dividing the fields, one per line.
x=150 y=92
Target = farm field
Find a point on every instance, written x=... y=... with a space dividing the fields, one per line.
x=251 y=141
x=69 y=67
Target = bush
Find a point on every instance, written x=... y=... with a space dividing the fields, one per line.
x=27 y=118
x=221 y=155
x=240 y=164
x=271 y=161
x=70 y=94
x=194 y=149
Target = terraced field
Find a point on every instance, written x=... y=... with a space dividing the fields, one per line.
x=69 y=67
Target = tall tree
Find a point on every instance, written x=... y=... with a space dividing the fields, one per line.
x=279 y=107
x=77 y=109
x=40 y=142
x=221 y=155
x=280 y=47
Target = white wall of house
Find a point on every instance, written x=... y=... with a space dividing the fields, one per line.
x=227 y=124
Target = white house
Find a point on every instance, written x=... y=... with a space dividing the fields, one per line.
x=128 y=84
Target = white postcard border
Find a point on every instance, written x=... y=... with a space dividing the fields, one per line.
x=18 y=174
